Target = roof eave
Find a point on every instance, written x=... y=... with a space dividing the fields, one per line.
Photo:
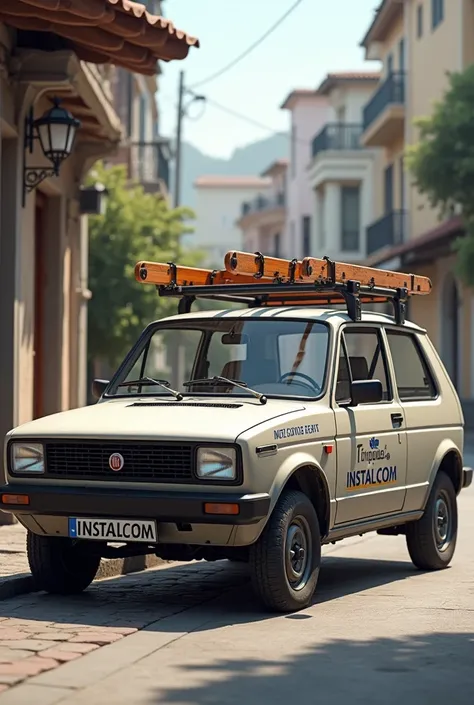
x=385 y=14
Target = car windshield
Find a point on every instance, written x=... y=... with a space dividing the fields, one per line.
x=275 y=357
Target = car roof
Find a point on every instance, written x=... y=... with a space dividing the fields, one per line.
x=332 y=316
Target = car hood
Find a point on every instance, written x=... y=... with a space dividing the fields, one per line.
x=193 y=419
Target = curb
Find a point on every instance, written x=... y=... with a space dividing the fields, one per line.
x=23 y=583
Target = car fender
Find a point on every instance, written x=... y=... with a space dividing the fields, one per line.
x=289 y=467
x=447 y=445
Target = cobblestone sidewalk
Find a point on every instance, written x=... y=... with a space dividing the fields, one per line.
x=13 y=558
x=39 y=633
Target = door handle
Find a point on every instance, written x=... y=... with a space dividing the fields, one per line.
x=397 y=420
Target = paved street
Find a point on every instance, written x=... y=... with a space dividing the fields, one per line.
x=379 y=631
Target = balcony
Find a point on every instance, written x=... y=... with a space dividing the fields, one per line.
x=388 y=231
x=149 y=165
x=262 y=204
x=337 y=136
x=384 y=115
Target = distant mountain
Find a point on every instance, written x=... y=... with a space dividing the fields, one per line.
x=250 y=160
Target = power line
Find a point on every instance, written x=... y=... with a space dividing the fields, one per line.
x=251 y=121
x=239 y=116
x=253 y=46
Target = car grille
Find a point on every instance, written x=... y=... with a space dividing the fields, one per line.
x=143 y=462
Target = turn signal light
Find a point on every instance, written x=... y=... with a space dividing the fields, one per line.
x=15 y=499
x=210 y=508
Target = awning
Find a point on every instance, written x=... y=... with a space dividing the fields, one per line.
x=423 y=246
x=120 y=32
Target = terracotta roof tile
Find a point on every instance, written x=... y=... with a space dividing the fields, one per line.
x=295 y=94
x=332 y=79
x=232 y=182
x=276 y=166
x=121 y=32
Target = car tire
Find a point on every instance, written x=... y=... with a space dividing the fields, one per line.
x=283 y=580
x=59 y=565
x=431 y=540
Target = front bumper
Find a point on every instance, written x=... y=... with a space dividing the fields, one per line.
x=466 y=477
x=167 y=507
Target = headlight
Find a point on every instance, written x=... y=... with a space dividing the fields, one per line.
x=216 y=464
x=27 y=457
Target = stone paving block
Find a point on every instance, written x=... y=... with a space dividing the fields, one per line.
x=28 y=667
x=8 y=655
x=29 y=644
x=10 y=679
x=53 y=635
x=101 y=638
x=60 y=655
x=12 y=635
x=76 y=647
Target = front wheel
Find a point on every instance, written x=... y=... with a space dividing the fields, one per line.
x=285 y=560
x=60 y=565
x=432 y=539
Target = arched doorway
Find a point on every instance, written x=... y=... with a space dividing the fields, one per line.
x=450 y=328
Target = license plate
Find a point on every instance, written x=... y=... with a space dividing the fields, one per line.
x=113 y=530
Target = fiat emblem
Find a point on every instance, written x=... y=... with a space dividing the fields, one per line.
x=116 y=462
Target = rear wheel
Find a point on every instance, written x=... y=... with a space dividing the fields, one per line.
x=60 y=565
x=285 y=560
x=431 y=540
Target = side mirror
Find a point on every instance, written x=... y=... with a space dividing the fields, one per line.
x=99 y=386
x=367 y=391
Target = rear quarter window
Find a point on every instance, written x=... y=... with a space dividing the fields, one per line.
x=414 y=380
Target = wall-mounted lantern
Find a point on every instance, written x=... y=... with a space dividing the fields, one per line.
x=56 y=131
x=93 y=199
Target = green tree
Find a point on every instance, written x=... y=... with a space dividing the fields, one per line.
x=136 y=226
x=442 y=162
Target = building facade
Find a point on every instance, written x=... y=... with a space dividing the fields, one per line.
x=144 y=151
x=309 y=112
x=408 y=36
x=43 y=231
x=341 y=170
x=219 y=204
x=263 y=219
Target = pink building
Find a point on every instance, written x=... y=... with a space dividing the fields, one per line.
x=263 y=219
x=310 y=111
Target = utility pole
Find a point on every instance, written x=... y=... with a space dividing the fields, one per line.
x=177 y=352
x=179 y=125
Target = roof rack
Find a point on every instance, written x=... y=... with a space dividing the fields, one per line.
x=260 y=281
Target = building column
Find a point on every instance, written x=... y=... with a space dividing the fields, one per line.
x=366 y=209
x=84 y=296
x=316 y=231
x=9 y=213
x=332 y=217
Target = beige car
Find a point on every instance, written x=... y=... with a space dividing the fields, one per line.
x=289 y=428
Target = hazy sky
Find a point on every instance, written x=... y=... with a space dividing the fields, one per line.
x=319 y=37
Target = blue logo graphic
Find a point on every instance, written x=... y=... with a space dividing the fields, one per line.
x=374 y=443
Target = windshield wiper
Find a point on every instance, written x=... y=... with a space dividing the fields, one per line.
x=224 y=380
x=150 y=381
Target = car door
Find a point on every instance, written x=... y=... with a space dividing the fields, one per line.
x=428 y=419
x=370 y=438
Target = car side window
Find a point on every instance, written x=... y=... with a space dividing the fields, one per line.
x=413 y=377
x=362 y=352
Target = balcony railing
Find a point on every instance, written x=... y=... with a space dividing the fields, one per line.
x=337 y=136
x=263 y=203
x=149 y=163
x=391 y=92
x=387 y=232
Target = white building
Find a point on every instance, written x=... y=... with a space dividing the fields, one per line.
x=263 y=220
x=218 y=207
x=309 y=113
x=340 y=173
